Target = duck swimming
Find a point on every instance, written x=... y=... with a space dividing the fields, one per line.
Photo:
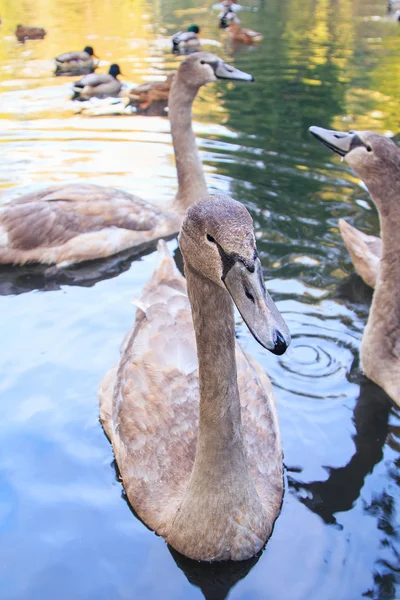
x=196 y=434
x=376 y=160
x=76 y=63
x=186 y=41
x=151 y=91
x=67 y=224
x=26 y=32
x=98 y=85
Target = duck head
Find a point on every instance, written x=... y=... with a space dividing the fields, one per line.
x=114 y=70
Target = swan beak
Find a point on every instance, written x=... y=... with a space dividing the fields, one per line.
x=224 y=71
x=247 y=288
x=339 y=142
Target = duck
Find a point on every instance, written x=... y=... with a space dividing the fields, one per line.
x=195 y=433
x=71 y=223
x=227 y=17
x=152 y=91
x=76 y=63
x=26 y=32
x=240 y=34
x=376 y=160
x=96 y=85
x=188 y=40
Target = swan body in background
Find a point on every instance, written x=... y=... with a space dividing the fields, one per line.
x=96 y=85
x=365 y=252
x=196 y=438
x=76 y=63
x=376 y=160
x=25 y=32
x=63 y=225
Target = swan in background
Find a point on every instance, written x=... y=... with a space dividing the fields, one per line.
x=98 y=85
x=76 y=63
x=196 y=438
x=68 y=224
x=376 y=160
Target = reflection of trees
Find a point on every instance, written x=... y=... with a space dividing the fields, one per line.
x=342 y=488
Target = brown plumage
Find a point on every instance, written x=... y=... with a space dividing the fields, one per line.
x=152 y=91
x=376 y=159
x=196 y=438
x=73 y=223
x=25 y=32
x=237 y=33
x=365 y=252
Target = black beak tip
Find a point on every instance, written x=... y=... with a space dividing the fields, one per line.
x=280 y=346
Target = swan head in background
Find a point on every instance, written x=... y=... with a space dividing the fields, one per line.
x=217 y=240
x=373 y=157
x=204 y=67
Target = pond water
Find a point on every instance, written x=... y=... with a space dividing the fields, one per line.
x=66 y=530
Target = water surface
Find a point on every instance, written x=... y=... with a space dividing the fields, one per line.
x=66 y=529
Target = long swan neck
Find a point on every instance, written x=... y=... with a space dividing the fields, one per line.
x=191 y=180
x=389 y=276
x=220 y=451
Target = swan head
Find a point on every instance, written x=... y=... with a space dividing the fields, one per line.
x=217 y=241
x=89 y=50
x=373 y=157
x=114 y=70
x=204 y=67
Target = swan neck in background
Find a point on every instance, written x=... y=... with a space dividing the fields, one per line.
x=191 y=180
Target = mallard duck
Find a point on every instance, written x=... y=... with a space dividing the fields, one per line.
x=196 y=438
x=237 y=33
x=24 y=32
x=227 y=17
x=152 y=91
x=98 y=85
x=76 y=63
x=186 y=40
x=68 y=224
x=376 y=160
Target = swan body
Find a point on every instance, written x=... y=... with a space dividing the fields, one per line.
x=74 y=223
x=152 y=91
x=25 y=32
x=196 y=435
x=365 y=252
x=376 y=160
x=76 y=63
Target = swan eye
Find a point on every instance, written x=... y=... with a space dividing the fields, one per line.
x=202 y=62
x=210 y=238
x=369 y=149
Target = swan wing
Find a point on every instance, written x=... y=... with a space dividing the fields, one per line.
x=149 y=403
x=365 y=252
x=77 y=222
